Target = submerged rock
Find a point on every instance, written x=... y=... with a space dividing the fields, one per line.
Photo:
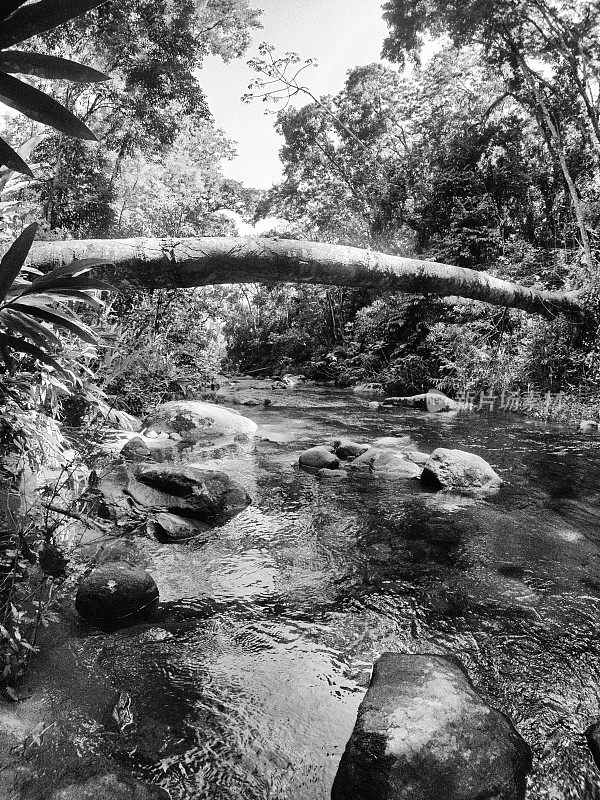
x=346 y=448
x=423 y=733
x=195 y=421
x=318 y=457
x=116 y=592
x=332 y=473
x=117 y=550
x=460 y=471
x=173 y=528
x=386 y=463
x=588 y=426
x=110 y=787
x=592 y=736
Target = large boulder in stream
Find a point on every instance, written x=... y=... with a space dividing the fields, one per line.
x=180 y=489
x=459 y=471
x=320 y=457
x=423 y=733
x=195 y=421
x=115 y=593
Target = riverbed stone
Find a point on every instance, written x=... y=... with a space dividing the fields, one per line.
x=346 y=448
x=459 y=471
x=174 y=528
x=197 y=421
x=117 y=550
x=592 y=736
x=110 y=786
x=386 y=463
x=332 y=473
x=116 y=592
x=423 y=733
x=416 y=457
x=318 y=457
x=135 y=448
x=188 y=490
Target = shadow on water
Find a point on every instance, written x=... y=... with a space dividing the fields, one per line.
x=247 y=681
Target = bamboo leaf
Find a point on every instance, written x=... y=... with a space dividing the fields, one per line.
x=38 y=106
x=23 y=152
x=23 y=346
x=45 y=66
x=62 y=318
x=35 y=18
x=11 y=159
x=74 y=268
x=30 y=328
x=14 y=258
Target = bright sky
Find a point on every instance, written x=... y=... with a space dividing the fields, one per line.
x=340 y=34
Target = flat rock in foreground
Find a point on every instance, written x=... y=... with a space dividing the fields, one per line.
x=195 y=421
x=423 y=733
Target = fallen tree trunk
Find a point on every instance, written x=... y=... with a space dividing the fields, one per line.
x=172 y=263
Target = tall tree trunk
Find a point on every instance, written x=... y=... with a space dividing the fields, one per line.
x=171 y=263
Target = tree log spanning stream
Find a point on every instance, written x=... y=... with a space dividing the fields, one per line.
x=178 y=263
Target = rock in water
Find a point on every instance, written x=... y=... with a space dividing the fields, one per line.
x=423 y=733
x=592 y=736
x=116 y=592
x=135 y=448
x=433 y=401
x=173 y=528
x=319 y=457
x=346 y=448
x=460 y=471
x=588 y=426
x=386 y=463
x=195 y=421
x=188 y=490
x=332 y=473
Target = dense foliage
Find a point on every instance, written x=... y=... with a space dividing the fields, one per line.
x=449 y=161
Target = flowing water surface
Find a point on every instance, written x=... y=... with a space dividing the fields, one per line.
x=248 y=682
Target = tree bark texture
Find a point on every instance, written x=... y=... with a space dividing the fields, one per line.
x=176 y=263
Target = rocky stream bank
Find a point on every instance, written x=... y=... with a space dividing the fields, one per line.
x=218 y=525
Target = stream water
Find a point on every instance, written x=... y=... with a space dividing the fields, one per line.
x=247 y=684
